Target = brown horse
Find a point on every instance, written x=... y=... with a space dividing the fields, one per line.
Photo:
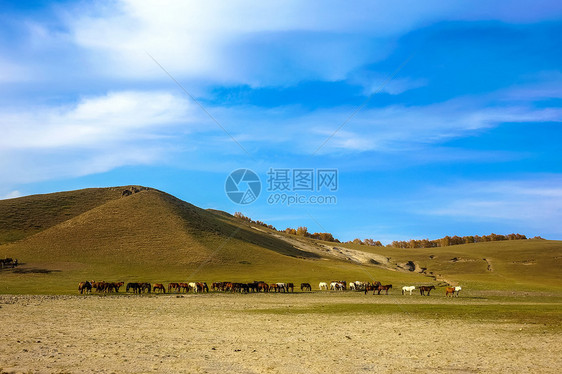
x=383 y=288
x=99 y=286
x=306 y=287
x=202 y=287
x=159 y=287
x=424 y=289
x=173 y=287
x=85 y=287
x=262 y=286
x=372 y=287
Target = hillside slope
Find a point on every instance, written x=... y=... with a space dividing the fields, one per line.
x=149 y=235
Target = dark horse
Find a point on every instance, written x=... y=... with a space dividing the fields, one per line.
x=85 y=287
x=144 y=287
x=133 y=286
x=306 y=287
x=372 y=287
x=383 y=288
x=427 y=289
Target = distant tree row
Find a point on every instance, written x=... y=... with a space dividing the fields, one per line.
x=303 y=231
x=423 y=243
x=454 y=240
x=248 y=219
x=443 y=242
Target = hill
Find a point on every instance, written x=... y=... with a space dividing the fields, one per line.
x=133 y=233
x=66 y=237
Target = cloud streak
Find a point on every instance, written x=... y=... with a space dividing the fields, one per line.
x=534 y=203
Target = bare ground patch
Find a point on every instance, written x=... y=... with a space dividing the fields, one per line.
x=222 y=333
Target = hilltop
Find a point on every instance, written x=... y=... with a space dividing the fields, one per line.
x=132 y=233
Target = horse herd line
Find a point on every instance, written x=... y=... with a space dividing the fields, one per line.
x=99 y=287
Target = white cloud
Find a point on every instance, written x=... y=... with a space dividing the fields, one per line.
x=257 y=42
x=96 y=134
x=112 y=118
x=534 y=202
x=396 y=127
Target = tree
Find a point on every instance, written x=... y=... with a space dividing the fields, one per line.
x=302 y=231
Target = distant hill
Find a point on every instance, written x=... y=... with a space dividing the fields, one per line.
x=133 y=233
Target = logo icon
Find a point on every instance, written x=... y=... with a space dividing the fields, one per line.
x=243 y=186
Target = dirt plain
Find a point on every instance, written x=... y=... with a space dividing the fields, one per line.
x=261 y=333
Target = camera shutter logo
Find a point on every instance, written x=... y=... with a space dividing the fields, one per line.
x=243 y=186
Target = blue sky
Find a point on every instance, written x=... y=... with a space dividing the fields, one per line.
x=463 y=139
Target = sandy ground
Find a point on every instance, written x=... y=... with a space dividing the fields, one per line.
x=223 y=334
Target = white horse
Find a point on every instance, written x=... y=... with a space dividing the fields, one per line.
x=352 y=286
x=323 y=286
x=458 y=289
x=193 y=286
x=337 y=286
x=408 y=288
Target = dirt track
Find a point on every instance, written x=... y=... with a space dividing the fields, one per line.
x=222 y=333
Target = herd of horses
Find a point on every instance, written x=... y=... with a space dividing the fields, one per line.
x=8 y=263
x=256 y=286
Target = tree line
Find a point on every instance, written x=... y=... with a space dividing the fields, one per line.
x=412 y=243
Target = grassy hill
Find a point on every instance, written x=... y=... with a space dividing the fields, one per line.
x=63 y=238
x=501 y=265
x=149 y=235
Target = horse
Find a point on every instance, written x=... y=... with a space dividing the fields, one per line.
x=281 y=287
x=427 y=289
x=383 y=288
x=136 y=287
x=341 y=285
x=193 y=286
x=202 y=287
x=183 y=287
x=159 y=287
x=99 y=286
x=359 y=286
x=85 y=287
x=306 y=287
x=408 y=288
x=452 y=291
x=262 y=286
x=337 y=286
x=144 y=287
x=289 y=287
x=352 y=286
x=372 y=287
x=118 y=285
x=323 y=286
x=173 y=287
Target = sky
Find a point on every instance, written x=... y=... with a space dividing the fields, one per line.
x=434 y=118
